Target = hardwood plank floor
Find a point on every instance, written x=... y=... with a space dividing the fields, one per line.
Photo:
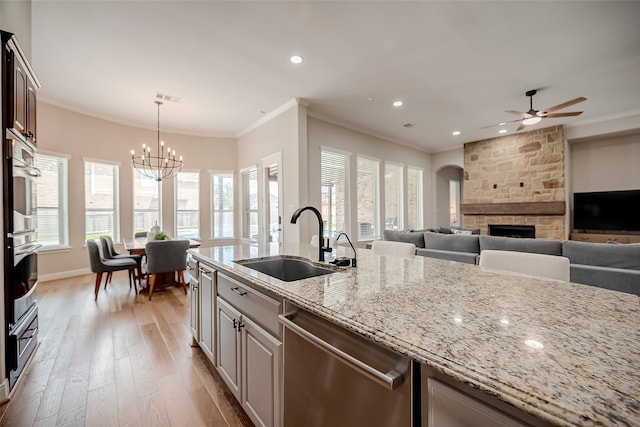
x=119 y=361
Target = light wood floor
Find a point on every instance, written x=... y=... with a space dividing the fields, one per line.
x=120 y=361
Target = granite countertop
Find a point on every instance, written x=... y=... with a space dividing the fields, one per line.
x=566 y=353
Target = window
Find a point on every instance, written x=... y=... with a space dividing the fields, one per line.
x=334 y=178
x=146 y=202
x=250 y=204
x=101 y=200
x=222 y=205
x=393 y=200
x=368 y=190
x=188 y=205
x=414 y=198
x=52 y=203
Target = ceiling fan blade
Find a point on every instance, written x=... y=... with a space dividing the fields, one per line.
x=520 y=127
x=498 y=124
x=565 y=104
x=517 y=113
x=569 y=114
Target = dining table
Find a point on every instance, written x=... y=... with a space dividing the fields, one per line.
x=137 y=246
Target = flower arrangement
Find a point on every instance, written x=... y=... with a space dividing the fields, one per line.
x=162 y=236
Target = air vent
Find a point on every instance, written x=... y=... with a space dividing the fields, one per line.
x=408 y=125
x=166 y=97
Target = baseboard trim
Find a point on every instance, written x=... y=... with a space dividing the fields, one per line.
x=4 y=391
x=63 y=274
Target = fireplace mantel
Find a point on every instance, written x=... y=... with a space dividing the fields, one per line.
x=524 y=208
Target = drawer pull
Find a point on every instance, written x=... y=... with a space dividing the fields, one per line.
x=239 y=291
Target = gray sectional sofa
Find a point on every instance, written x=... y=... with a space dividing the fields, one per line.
x=611 y=266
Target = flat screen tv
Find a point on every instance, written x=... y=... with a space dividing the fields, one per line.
x=611 y=211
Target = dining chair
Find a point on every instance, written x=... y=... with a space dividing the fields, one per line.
x=109 y=252
x=100 y=265
x=387 y=247
x=545 y=266
x=166 y=256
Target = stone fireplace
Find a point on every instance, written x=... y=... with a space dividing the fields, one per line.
x=504 y=230
x=517 y=180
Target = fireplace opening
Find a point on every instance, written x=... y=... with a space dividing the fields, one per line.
x=523 y=231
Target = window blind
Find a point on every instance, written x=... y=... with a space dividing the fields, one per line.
x=187 y=205
x=334 y=178
x=222 y=210
x=52 y=201
x=368 y=190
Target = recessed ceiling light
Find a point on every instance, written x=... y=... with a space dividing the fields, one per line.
x=502 y=131
x=455 y=133
x=397 y=103
x=296 y=59
x=502 y=124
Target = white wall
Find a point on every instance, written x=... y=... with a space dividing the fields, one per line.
x=15 y=17
x=285 y=133
x=322 y=133
x=605 y=164
x=81 y=136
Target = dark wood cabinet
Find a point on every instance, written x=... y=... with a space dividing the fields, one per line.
x=20 y=87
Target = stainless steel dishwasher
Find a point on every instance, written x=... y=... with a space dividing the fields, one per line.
x=333 y=377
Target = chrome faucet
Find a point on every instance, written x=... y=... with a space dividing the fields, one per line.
x=321 y=248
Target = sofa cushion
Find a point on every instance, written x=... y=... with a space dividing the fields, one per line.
x=466 y=257
x=417 y=238
x=516 y=244
x=603 y=254
x=452 y=242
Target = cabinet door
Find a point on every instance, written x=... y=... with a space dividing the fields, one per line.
x=228 y=346
x=261 y=361
x=195 y=304
x=448 y=407
x=31 y=112
x=19 y=97
x=207 y=310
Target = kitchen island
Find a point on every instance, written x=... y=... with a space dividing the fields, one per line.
x=565 y=353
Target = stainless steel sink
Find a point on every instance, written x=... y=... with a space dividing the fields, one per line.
x=287 y=269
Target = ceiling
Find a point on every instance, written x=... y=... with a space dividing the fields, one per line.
x=455 y=65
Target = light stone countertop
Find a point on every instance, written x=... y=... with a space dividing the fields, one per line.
x=566 y=353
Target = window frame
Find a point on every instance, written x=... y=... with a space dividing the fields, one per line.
x=63 y=200
x=326 y=214
x=177 y=211
x=399 y=171
x=375 y=222
x=420 y=199
x=245 y=199
x=134 y=174
x=116 y=196
x=212 y=175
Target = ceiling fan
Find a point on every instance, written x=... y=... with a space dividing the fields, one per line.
x=532 y=116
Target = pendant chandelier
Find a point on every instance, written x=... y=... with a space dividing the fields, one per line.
x=159 y=165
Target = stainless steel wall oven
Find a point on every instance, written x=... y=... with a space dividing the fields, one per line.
x=21 y=253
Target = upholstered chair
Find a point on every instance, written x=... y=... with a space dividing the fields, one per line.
x=100 y=265
x=166 y=256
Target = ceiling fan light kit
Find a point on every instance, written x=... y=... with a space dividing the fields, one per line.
x=534 y=116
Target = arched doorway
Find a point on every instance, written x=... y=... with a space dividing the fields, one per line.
x=449 y=181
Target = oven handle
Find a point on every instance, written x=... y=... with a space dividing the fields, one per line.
x=20 y=233
x=29 y=250
x=391 y=380
x=31 y=170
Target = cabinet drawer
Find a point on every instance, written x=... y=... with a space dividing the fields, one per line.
x=260 y=308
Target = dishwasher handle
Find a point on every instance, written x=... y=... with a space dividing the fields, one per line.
x=391 y=380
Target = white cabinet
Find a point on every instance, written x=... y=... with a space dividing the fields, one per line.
x=448 y=403
x=194 y=283
x=249 y=349
x=228 y=346
x=207 y=308
x=261 y=366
